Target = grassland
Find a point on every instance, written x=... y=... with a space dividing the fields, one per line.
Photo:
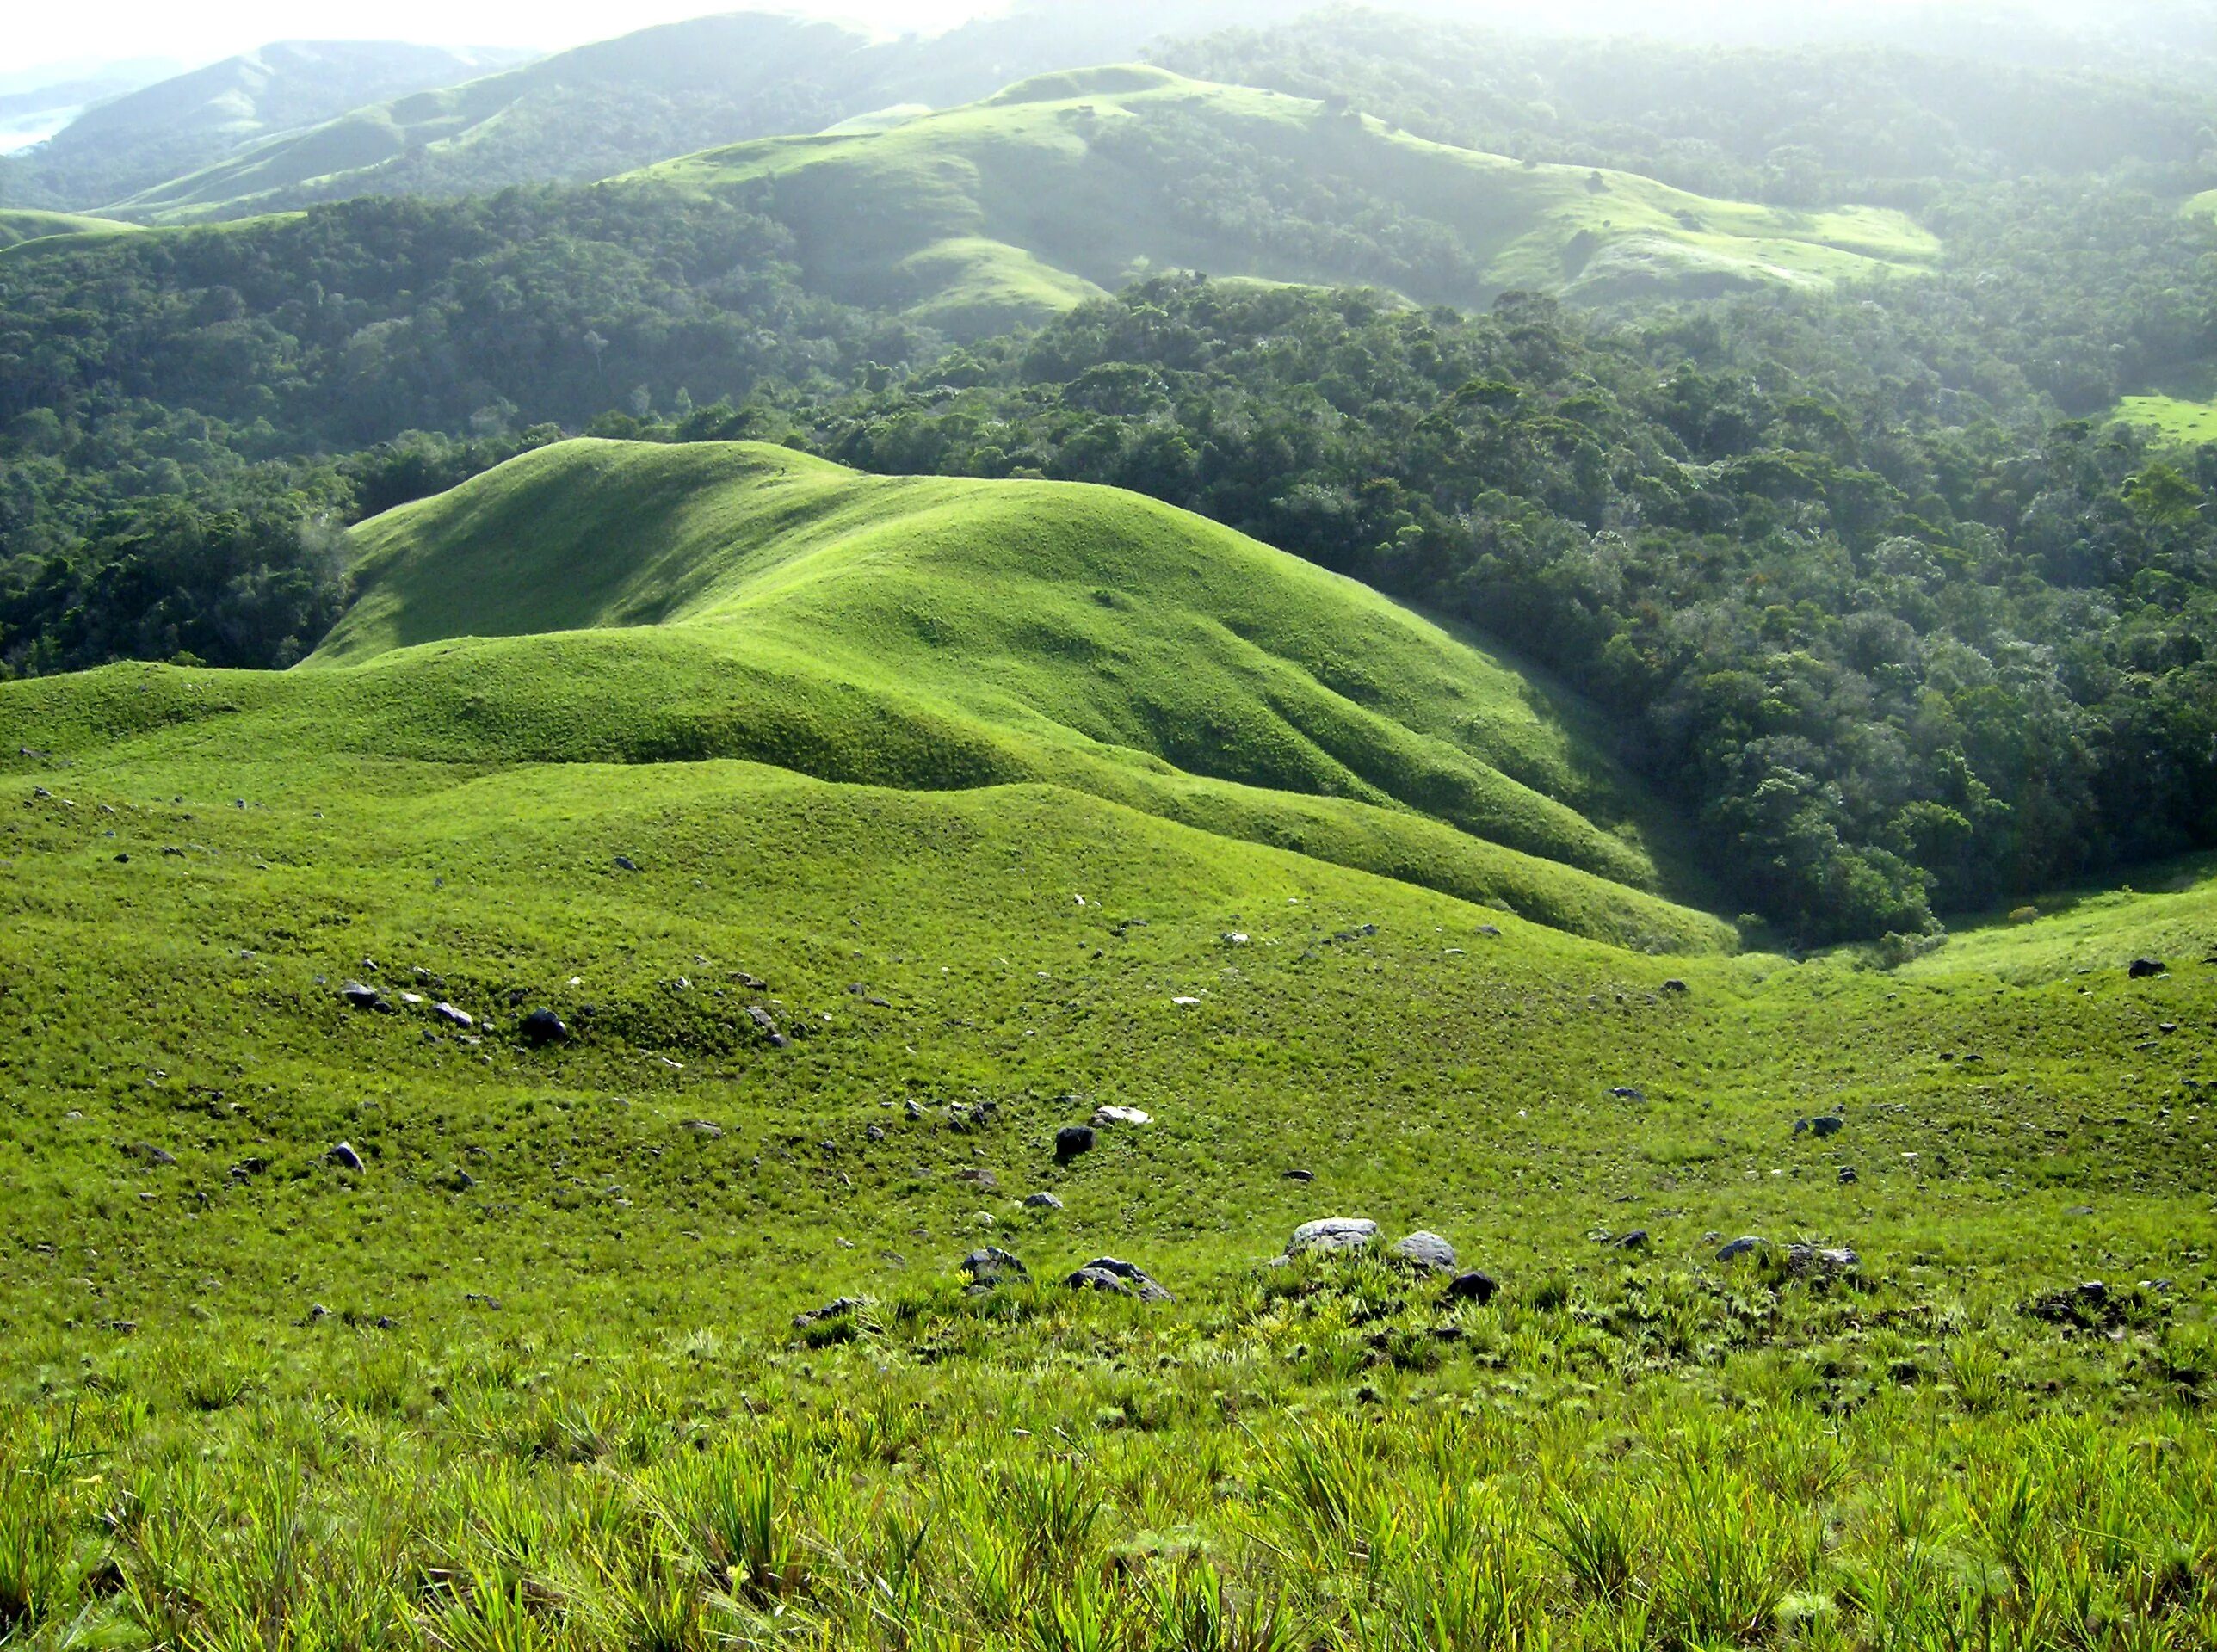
x=1009 y=210
x=2180 y=420
x=18 y=227
x=528 y=1377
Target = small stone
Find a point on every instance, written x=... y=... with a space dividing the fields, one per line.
x=1425 y=1252
x=1746 y=1246
x=362 y=996
x=1104 y=1116
x=1332 y=1235
x=1677 y=988
x=1071 y=1140
x=146 y=1153
x=542 y=1027
x=1636 y=1239
x=624 y=864
x=1827 y=1127
x=1042 y=1202
x=1300 y=1176
x=984 y=1180
x=765 y=1025
x=1474 y=1286
x=989 y=1265
x=344 y=1157
x=703 y=1129
x=915 y=1111
x=874 y=1133
x=318 y=1311
x=1805 y=1260
x=844 y=1308
x=453 y=1017
x=1124 y=1279
x=1628 y=1092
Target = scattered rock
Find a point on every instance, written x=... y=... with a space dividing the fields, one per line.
x=1124 y=1279
x=874 y=1133
x=845 y=1308
x=446 y=1013
x=1636 y=1239
x=2088 y=1307
x=1827 y=1126
x=148 y=1153
x=1300 y=1176
x=1746 y=1246
x=1492 y=932
x=2080 y=1209
x=344 y=1157
x=703 y=1129
x=989 y=1265
x=914 y=1110
x=362 y=996
x=1071 y=1140
x=1628 y=1092
x=624 y=864
x=1848 y=1177
x=247 y=1169
x=1427 y=1253
x=1474 y=1286
x=1104 y=1116
x=765 y=1025
x=1042 y=1202
x=983 y=1180
x=1677 y=988
x=542 y=1027
x=1806 y=1259
x=2142 y=969
x=1332 y=1235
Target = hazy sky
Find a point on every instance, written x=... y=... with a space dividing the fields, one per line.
x=39 y=32
x=55 y=32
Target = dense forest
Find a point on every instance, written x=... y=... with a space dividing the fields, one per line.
x=1868 y=578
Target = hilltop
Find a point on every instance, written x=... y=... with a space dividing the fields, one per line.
x=637 y=602
x=1066 y=186
x=18 y=228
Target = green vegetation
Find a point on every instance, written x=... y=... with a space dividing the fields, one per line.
x=2175 y=422
x=18 y=227
x=526 y=1376
x=1007 y=212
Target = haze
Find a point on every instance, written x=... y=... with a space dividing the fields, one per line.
x=77 y=36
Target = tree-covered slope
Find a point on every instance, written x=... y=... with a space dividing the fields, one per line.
x=176 y=126
x=636 y=602
x=1012 y=210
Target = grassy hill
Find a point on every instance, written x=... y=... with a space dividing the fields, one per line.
x=519 y=1369
x=178 y=125
x=1014 y=209
x=629 y=102
x=612 y=602
x=18 y=227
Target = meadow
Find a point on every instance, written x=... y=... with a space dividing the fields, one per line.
x=343 y=1303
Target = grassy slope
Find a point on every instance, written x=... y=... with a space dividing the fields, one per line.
x=2080 y=932
x=2174 y=419
x=584 y=1302
x=1004 y=211
x=640 y=603
x=18 y=227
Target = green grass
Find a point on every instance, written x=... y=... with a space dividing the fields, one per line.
x=2176 y=420
x=554 y=1397
x=2171 y=916
x=18 y=227
x=1012 y=209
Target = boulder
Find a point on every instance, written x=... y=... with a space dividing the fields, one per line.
x=1474 y=1286
x=1827 y=1126
x=1123 y=1279
x=1746 y=1246
x=542 y=1027
x=1427 y=1253
x=2143 y=969
x=1104 y=1116
x=989 y=1265
x=1332 y=1235
x=344 y=1157
x=1071 y=1140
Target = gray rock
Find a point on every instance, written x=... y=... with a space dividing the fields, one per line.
x=1746 y=1246
x=983 y=1180
x=453 y=1017
x=1474 y=1286
x=914 y=1111
x=1104 y=1116
x=989 y=1265
x=1807 y=1260
x=1332 y=1235
x=1628 y=1092
x=1828 y=1126
x=362 y=996
x=1042 y=1202
x=1071 y=1140
x=624 y=864
x=344 y=1157
x=703 y=1129
x=1124 y=1279
x=874 y=1133
x=1848 y=1177
x=1425 y=1252
x=148 y=1153
x=542 y=1027
x=767 y=1025
x=844 y=1308
x=1636 y=1239
x=1300 y=1176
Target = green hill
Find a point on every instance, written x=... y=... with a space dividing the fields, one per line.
x=175 y=126
x=1014 y=209
x=18 y=227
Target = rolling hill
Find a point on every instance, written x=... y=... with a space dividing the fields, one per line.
x=18 y=228
x=179 y=125
x=1058 y=188
x=665 y=91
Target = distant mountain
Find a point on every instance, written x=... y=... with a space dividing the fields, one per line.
x=1012 y=210
x=36 y=104
x=625 y=103
x=181 y=124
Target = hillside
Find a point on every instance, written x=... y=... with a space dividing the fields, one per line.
x=1066 y=186
x=178 y=125
x=640 y=98
x=18 y=227
x=923 y=633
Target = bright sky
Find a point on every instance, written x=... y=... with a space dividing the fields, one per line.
x=37 y=33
